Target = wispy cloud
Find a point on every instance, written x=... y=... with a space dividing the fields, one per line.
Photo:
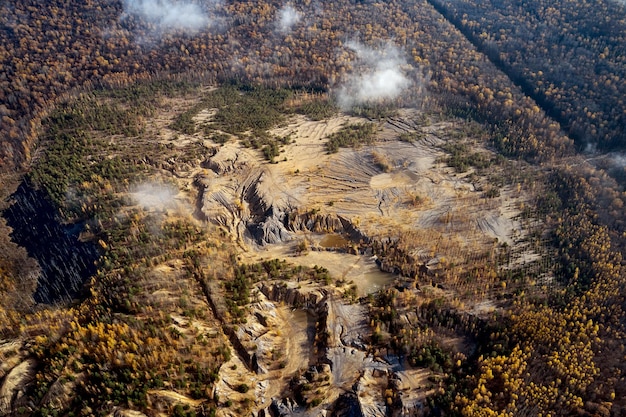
x=169 y=15
x=378 y=76
x=154 y=196
x=287 y=17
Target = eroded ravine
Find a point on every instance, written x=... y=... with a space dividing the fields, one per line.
x=306 y=347
x=314 y=208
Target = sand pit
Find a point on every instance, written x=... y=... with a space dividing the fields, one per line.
x=314 y=208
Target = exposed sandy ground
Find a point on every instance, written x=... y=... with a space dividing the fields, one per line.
x=360 y=270
x=14 y=381
x=230 y=185
x=233 y=374
x=350 y=184
x=413 y=388
x=9 y=356
x=452 y=215
x=174 y=397
x=347 y=183
x=298 y=332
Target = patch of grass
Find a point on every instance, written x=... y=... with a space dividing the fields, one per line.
x=317 y=109
x=431 y=356
x=245 y=108
x=271 y=151
x=351 y=136
x=374 y=111
x=410 y=137
x=219 y=137
x=75 y=162
x=492 y=192
x=416 y=200
x=461 y=158
x=184 y=123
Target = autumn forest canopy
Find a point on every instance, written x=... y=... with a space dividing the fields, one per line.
x=518 y=104
x=52 y=49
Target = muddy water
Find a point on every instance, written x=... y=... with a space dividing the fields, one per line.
x=333 y=241
x=301 y=334
x=361 y=270
x=373 y=279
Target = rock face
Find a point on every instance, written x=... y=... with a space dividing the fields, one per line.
x=347 y=406
x=357 y=380
x=222 y=161
x=12 y=388
x=315 y=222
x=283 y=408
x=254 y=201
x=60 y=394
x=292 y=296
x=244 y=197
x=328 y=223
x=271 y=228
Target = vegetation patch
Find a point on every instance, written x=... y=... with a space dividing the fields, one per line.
x=374 y=111
x=246 y=275
x=317 y=109
x=243 y=111
x=382 y=161
x=462 y=158
x=351 y=136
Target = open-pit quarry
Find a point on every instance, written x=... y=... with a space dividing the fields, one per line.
x=395 y=218
x=305 y=347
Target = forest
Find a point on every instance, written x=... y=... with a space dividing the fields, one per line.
x=571 y=63
x=544 y=80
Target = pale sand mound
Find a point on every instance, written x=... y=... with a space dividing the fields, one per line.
x=388 y=190
x=14 y=382
x=417 y=191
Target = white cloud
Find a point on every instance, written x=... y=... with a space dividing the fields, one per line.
x=169 y=14
x=379 y=76
x=154 y=196
x=287 y=18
